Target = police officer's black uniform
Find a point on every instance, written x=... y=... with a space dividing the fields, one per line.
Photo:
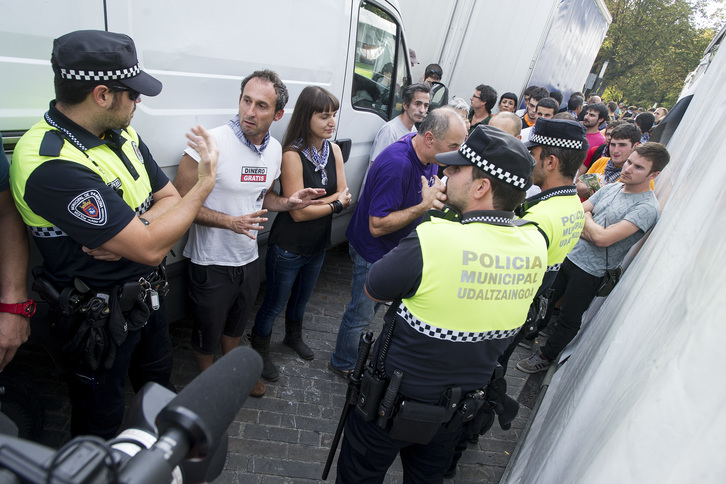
x=463 y=288
x=76 y=189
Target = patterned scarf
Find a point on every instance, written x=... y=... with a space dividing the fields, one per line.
x=237 y=129
x=612 y=172
x=320 y=160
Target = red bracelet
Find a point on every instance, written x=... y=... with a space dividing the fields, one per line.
x=26 y=308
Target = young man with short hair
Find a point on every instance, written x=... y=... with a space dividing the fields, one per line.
x=625 y=139
x=616 y=218
x=530 y=116
x=546 y=109
x=595 y=115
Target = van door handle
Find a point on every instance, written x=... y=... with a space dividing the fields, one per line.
x=345 y=145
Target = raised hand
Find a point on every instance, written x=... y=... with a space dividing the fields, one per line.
x=433 y=196
x=204 y=144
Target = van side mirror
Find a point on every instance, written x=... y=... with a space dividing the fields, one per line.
x=345 y=145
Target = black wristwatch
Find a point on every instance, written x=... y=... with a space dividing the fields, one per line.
x=26 y=308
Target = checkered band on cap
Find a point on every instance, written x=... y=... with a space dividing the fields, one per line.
x=491 y=168
x=556 y=142
x=449 y=334
x=81 y=75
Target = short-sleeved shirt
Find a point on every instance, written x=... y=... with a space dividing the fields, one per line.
x=459 y=308
x=388 y=134
x=610 y=206
x=393 y=184
x=63 y=191
x=595 y=139
x=243 y=178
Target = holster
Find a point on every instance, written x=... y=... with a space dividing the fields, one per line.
x=481 y=423
x=417 y=422
x=370 y=395
x=93 y=324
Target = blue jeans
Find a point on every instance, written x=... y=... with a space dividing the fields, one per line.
x=358 y=315
x=290 y=278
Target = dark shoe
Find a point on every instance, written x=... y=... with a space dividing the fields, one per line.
x=262 y=346
x=294 y=340
x=341 y=373
x=258 y=390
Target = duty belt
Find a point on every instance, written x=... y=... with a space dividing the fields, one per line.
x=93 y=323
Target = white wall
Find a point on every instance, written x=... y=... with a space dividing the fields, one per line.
x=641 y=398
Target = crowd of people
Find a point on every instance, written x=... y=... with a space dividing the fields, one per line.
x=475 y=221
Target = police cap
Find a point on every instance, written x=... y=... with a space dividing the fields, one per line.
x=96 y=55
x=499 y=154
x=560 y=133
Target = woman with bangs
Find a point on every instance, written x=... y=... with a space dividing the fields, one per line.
x=298 y=238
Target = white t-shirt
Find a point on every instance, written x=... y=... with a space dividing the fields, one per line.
x=243 y=178
x=391 y=132
x=526 y=133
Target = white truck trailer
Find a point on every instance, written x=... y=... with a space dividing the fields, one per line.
x=507 y=45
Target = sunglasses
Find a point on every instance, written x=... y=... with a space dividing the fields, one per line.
x=133 y=95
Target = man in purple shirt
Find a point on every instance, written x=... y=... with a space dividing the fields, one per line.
x=401 y=186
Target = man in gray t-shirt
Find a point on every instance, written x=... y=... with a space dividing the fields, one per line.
x=616 y=217
x=416 y=99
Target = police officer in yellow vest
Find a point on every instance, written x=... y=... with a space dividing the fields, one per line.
x=462 y=289
x=559 y=147
x=103 y=215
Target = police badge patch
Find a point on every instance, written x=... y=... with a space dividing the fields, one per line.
x=138 y=151
x=89 y=207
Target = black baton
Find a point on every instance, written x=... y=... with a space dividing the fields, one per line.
x=351 y=396
x=386 y=407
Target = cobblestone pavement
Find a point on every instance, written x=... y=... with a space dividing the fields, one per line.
x=284 y=437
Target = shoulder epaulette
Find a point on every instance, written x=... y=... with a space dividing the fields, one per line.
x=521 y=222
x=52 y=143
x=447 y=213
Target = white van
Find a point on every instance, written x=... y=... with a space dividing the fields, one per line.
x=202 y=51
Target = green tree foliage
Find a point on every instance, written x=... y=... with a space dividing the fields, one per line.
x=651 y=47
